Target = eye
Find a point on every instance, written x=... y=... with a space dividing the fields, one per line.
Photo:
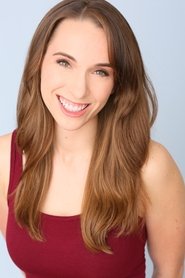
x=63 y=63
x=102 y=73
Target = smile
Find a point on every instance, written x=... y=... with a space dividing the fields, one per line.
x=71 y=106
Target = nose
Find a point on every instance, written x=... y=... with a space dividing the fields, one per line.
x=79 y=85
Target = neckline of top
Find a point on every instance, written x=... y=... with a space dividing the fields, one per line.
x=61 y=217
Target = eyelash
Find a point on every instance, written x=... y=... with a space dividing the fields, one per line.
x=102 y=73
x=65 y=64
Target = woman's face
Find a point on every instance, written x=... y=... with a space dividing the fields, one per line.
x=76 y=75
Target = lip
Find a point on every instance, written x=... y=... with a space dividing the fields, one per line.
x=72 y=102
x=70 y=113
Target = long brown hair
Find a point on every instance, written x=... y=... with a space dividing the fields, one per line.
x=114 y=194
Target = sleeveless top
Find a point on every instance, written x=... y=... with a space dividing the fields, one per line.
x=63 y=254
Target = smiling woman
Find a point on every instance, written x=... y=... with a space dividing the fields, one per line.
x=86 y=185
x=79 y=81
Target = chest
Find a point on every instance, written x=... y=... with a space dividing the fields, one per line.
x=66 y=190
x=63 y=252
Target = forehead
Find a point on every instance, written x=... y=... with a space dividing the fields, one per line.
x=80 y=37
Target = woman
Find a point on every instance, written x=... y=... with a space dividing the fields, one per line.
x=86 y=186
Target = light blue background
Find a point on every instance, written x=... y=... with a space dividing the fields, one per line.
x=159 y=28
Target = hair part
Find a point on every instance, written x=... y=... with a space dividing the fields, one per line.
x=114 y=194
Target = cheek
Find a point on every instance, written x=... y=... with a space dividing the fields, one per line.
x=104 y=92
x=50 y=80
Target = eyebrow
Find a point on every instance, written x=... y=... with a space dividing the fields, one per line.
x=73 y=59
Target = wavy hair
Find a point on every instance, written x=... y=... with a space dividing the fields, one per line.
x=114 y=194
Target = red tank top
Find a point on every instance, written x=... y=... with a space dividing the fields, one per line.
x=63 y=253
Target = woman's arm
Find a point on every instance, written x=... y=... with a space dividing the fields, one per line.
x=5 y=142
x=165 y=215
x=3 y=212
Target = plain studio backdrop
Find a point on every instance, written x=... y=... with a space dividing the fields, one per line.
x=159 y=29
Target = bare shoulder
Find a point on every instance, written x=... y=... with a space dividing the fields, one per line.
x=160 y=167
x=5 y=146
x=162 y=179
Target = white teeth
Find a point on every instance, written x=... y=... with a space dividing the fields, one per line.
x=72 y=107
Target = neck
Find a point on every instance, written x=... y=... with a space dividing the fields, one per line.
x=69 y=144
